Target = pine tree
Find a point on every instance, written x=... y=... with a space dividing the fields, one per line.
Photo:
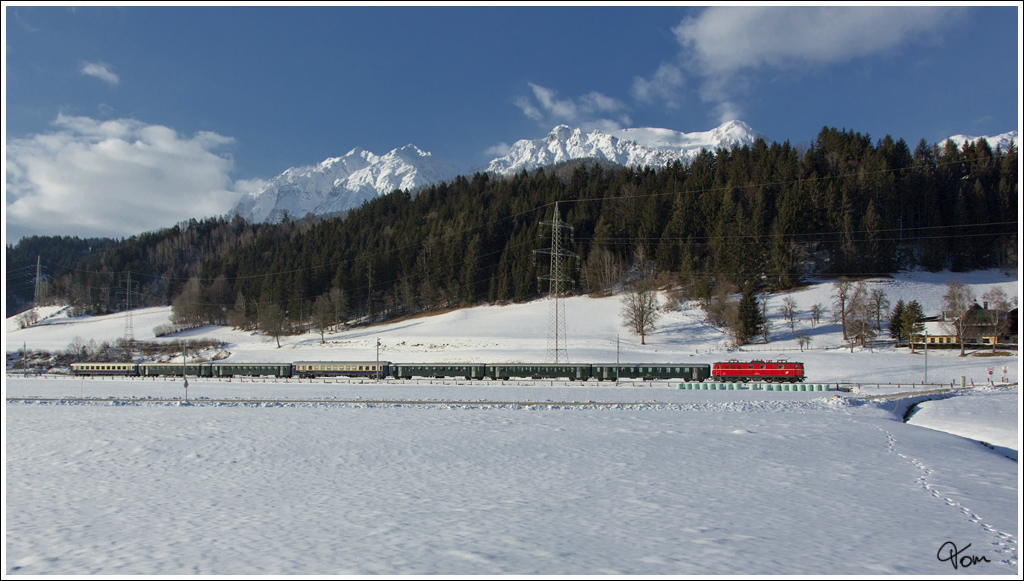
x=896 y=321
x=750 y=315
x=911 y=324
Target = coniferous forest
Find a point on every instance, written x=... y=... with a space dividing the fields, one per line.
x=767 y=215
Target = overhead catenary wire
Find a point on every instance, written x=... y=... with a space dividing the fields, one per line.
x=819 y=237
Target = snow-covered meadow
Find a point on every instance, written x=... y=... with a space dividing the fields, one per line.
x=338 y=477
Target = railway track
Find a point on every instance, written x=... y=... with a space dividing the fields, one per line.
x=199 y=401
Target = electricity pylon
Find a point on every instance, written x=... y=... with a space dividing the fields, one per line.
x=129 y=327
x=557 y=352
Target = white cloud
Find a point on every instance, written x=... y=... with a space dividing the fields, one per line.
x=528 y=109
x=724 y=48
x=101 y=71
x=727 y=111
x=250 y=186
x=499 y=150
x=725 y=40
x=591 y=111
x=665 y=85
x=114 y=178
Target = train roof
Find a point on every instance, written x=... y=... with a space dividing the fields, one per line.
x=628 y=364
x=760 y=361
x=250 y=363
x=340 y=362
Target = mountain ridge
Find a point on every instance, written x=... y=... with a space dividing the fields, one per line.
x=339 y=184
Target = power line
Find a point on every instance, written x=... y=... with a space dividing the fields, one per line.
x=813 y=237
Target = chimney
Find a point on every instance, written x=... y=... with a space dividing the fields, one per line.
x=985 y=305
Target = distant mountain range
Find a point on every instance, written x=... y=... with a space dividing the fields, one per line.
x=341 y=183
x=1002 y=140
x=627 y=147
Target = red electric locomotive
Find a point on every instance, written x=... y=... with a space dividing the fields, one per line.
x=735 y=370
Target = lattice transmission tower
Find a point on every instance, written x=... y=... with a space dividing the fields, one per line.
x=39 y=276
x=129 y=326
x=557 y=352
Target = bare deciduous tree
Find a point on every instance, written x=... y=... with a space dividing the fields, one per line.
x=859 y=316
x=272 y=321
x=323 y=315
x=817 y=310
x=339 y=303
x=955 y=303
x=879 y=306
x=187 y=308
x=789 y=311
x=640 y=309
x=720 y=309
x=803 y=341
x=238 y=317
x=603 y=271
x=998 y=304
x=841 y=302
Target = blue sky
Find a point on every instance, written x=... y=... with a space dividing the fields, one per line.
x=121 y=120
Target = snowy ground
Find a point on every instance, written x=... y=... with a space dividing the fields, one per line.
x=665 y=481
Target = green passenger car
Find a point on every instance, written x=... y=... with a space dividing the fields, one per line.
x=573 y=372
x=175 y=369
x=251 y=369
x=464 y=370
x=652 y=371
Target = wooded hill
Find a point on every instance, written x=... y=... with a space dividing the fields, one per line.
x=766 y=214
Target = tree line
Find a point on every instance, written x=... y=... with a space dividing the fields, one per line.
x=754 y=218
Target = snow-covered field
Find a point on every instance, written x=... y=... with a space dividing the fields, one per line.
x=340 y=478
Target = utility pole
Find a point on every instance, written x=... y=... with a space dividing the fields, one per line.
x=184 y=367
x=925 y=357
x=616 y=359
x=39 y=275
x=556 y=352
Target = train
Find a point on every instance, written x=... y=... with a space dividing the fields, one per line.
x=732 y=370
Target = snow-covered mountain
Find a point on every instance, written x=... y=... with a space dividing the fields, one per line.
x=342 y=183
x=1002 y=140
x=628 y=147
